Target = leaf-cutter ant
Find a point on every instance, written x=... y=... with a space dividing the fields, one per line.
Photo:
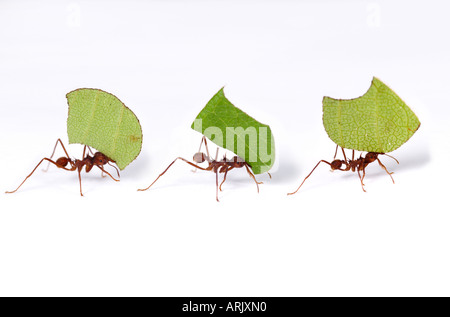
x=359 y=165
x=65 y=162
x=217 y=166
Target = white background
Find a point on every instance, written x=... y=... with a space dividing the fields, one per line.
x=276 y=59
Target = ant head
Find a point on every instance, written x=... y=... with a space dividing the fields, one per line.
x=100 y=159
x=336 y=164
x=199 y=157
x=371 y=156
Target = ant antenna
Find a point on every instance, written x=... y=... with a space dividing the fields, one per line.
x=391 y=157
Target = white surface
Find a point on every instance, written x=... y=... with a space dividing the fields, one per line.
x=277 y=59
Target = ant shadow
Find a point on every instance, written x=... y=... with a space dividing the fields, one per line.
x=136 y=168
x=287 y=171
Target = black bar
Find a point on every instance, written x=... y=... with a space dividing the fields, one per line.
x=219 y=306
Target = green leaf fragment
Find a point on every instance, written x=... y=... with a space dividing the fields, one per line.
x=100 y=120
x=231 y=128
x=379 y=121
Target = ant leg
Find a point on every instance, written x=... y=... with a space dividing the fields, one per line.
x=269 y=175
x=335 y=152
x=201 y=142
x=178 y=158
x=364 y=175
x=217 y=186
x=309 y=175
x=206 y=148
x=253 y=176
x=225 y=177
x=44 y=159
x=200 y=148
x=62 y=145
x=118 y=175
x=384 y=167
x=84 y=152
x=207 y=158
x=90 y=150
x=79 y=178
x=103 y=171
x=53 y=153
x=361 y=179
x=343 y=152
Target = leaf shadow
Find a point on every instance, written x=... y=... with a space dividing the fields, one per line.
x=417 y=160
x=406 y=163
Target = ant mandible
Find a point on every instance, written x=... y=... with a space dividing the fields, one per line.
x=98 y=159
x=357 y=165
x=217 y=166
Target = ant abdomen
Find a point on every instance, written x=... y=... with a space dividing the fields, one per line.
x=336 y=164
x=62 y=161
x=199 y=157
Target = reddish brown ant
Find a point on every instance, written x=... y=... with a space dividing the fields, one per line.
x=98 y=159
x=357 y=165
x=217 y=166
